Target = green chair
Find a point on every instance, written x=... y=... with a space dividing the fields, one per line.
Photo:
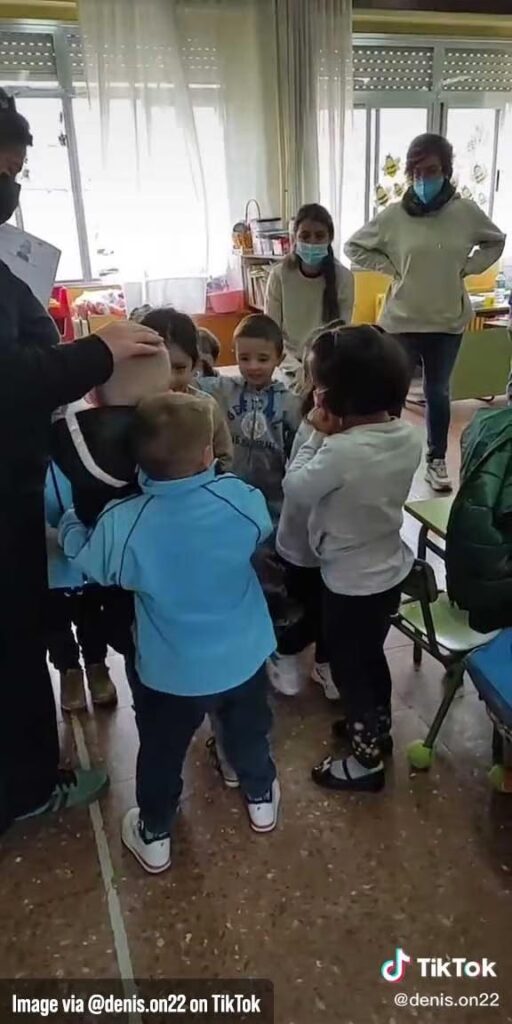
x=427 y=617
x=483 y=365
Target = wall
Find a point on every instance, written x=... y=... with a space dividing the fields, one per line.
x=488 y=26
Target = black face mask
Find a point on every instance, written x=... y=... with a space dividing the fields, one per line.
x=9 y=197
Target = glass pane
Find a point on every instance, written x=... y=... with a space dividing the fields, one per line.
x=46 y=196
x=471 y=133
x=354 y=178
x=398 y=127
x=153 y=223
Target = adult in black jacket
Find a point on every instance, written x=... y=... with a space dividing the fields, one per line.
x=36 y=376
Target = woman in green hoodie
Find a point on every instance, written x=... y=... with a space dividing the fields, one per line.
x=428 y=243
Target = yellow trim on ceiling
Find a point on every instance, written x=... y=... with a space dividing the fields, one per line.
x=45 y=10
x=481 y=26
x=434 y=23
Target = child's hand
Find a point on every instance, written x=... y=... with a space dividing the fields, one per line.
x=324 y=421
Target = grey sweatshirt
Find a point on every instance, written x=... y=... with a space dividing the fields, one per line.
x=355 y=485
x=262 y=426
x=428 y=259
x=294 y=301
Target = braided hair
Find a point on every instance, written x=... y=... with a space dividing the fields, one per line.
x=330 y=304
x=14 y=128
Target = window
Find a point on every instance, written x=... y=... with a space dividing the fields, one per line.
x=401 y=88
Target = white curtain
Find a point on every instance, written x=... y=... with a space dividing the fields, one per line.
x=185 y=94
x=314 y=51
x=204 y=104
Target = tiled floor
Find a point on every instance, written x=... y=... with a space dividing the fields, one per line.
x=318 y=905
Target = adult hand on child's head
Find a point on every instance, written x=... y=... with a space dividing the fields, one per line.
x=324 y=421
x=126 y=339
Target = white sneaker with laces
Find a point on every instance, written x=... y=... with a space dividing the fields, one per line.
x=286 y=673
x=436 y=475
x=321 y=674
x=263 y=813
x=154 y=856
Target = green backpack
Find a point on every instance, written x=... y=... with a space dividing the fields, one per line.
x=479 y=537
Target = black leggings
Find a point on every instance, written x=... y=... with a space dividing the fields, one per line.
x=355 y=631
x=304 y=585
x=84 y=610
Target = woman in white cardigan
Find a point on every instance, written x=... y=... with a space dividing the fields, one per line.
x=310 y=287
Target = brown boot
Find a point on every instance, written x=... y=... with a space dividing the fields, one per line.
x=103 y=691
x=72 y=692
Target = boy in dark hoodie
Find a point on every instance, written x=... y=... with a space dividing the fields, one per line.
x=93 y=449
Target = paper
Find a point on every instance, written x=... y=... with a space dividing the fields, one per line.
x=35 y=262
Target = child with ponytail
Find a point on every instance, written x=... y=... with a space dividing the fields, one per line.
x=310 y=287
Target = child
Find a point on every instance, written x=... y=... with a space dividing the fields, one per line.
x=184 y=548
x=310 y=287
x=262 y=414
x=71 y=602
x=179 y=333
x=209 y=352
x=288 y=669
x=93 y=448
x=354 y=474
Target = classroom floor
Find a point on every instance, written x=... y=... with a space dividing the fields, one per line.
x=318 y=905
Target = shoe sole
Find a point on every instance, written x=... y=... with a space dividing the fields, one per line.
x=110 y=702
x=143 y=863
x=74 y=708
x=267 y=828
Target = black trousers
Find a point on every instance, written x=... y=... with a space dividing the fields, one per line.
x=167 y=723
x=29 y=746
x=304 y=585
x=84 y=610
x=355 y=631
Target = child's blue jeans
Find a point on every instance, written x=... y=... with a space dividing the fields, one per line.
x=167 y=723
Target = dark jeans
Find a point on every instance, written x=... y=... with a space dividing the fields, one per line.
x=355 y=631
x=167 y=723
x=84 y=610
x=437 y=353
x=304 y=585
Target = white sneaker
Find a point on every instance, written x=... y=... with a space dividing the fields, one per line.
x=221 y=763
x=436 y=475
x=263 y=813
x=286 y=673
x=154 y=856
x=322 y=674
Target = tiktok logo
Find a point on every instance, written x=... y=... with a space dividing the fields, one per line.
x=394 y=970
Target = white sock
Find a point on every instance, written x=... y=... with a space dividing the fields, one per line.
x=355 y=769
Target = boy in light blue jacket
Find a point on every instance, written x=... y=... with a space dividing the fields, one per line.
x=203 y=632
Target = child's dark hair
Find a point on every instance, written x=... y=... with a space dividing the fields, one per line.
x=330 y=303
x=175 y=329
x=259 y=325
x=14 y=128
x=430 y=145
x=363 y=370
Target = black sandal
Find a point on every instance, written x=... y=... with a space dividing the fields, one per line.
x=373 y=782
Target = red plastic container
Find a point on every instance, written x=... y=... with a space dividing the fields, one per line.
x=227 y=302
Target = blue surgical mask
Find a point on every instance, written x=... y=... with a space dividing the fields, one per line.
x=428 y=188
x=313 y=255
